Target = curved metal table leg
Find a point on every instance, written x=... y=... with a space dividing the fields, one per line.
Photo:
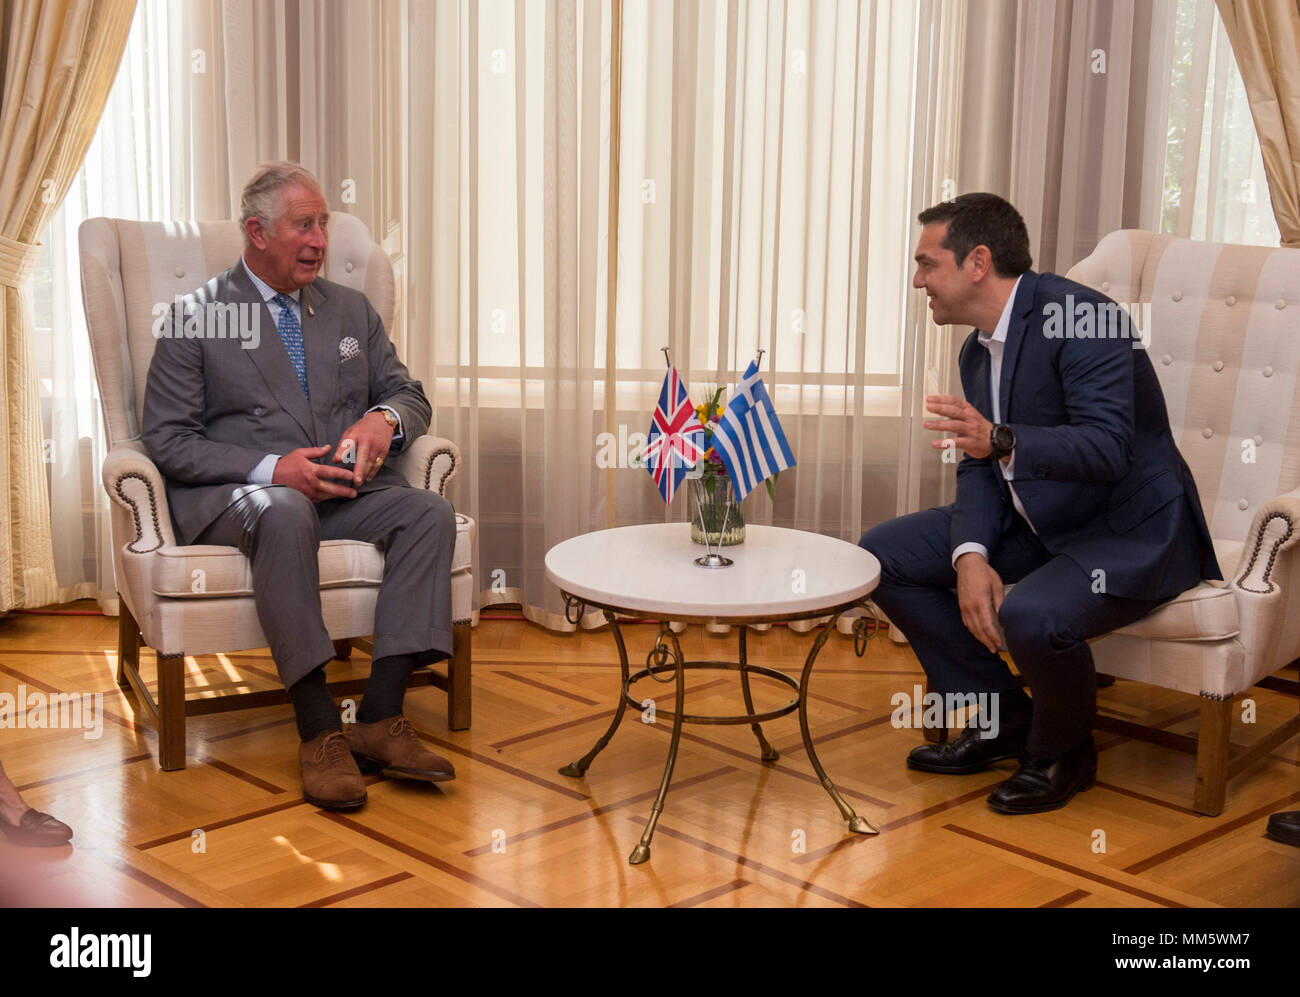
x=766 y=751
x=576 y=769
x=641 y=853
x=856 y=823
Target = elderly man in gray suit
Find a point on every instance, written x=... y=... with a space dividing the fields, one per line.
x=276 y=447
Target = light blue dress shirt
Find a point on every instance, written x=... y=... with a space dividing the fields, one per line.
x=264 y=472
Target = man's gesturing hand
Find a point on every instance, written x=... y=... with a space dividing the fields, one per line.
x=969 y=430
x=979 y=594
x=317 y=481
x=366 y=442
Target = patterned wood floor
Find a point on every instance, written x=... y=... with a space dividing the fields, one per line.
x=512 y=831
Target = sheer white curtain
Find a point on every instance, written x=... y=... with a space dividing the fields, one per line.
x=564 y=187
x=1214 y=182
x=762 y=199
x=507 y=179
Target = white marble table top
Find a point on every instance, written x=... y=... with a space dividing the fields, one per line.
x=650 y=570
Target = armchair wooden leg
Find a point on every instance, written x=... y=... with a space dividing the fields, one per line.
x=171 y=712
x=458 y=677
x=128 y=643
x=1212 y=756
x=343 y=649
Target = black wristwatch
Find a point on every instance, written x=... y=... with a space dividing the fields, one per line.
x=1002 y=440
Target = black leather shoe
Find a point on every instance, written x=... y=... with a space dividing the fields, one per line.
x=1043 y=784
x=1285 y=827
x=969 y=752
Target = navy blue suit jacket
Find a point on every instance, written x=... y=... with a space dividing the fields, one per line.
x=1096 y=466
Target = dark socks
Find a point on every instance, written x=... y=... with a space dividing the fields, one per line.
x=313 y=707
x=387 y=687
x=1015 y=709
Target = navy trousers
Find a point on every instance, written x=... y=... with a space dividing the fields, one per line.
x=1047 y=620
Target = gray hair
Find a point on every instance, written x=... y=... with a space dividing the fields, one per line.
x=262 y=194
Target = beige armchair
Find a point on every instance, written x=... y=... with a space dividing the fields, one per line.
x=191 y=600
x=1224 y=328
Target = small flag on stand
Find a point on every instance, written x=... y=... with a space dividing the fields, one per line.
x=676 y=438
x=749 y=439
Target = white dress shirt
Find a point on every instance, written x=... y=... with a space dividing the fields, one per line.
x=996 y=344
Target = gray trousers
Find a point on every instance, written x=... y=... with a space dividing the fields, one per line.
x=279 y=530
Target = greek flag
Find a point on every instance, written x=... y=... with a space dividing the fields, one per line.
x=749 y=439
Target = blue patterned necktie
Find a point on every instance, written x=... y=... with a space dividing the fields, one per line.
x=291 y=333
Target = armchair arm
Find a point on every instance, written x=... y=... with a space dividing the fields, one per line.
x=135 y=485
x=1267 y=586
x=429 y=462
x=1276 y=528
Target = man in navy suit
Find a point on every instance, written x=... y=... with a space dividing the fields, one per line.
x=1071 y=487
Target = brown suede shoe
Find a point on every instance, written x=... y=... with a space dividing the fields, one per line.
x=393 y=746
x=330 y=778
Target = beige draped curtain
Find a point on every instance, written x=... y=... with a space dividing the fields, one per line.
x=59 y=63
x=1265 y=36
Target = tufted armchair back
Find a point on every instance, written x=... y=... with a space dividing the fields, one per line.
x=129 y=269
x=1224 y=328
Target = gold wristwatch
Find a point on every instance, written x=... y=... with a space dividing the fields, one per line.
x=389 y=418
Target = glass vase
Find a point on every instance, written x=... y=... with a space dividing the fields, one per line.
x=716 y=519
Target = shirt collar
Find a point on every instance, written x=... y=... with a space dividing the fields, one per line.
x=1004 y=321
x=266 y=290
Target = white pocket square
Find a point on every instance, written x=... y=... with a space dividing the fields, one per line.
x=348 y=348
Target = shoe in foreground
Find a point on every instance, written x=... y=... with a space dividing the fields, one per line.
x=1043 y=784
x=1285 y=827
x=37 y=829
x=394 y=747
x=330 y=777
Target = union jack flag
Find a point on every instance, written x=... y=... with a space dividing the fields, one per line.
x=676 y=437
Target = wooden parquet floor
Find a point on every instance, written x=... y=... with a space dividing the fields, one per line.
x=233 y=830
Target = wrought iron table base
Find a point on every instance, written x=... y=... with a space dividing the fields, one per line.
x=666 y=656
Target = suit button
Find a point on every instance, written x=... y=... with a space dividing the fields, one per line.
x=1243 y=505
x=259 y=411
x=1207 y=432
x=1218 y=365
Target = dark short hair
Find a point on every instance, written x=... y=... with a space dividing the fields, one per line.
x=983 y=220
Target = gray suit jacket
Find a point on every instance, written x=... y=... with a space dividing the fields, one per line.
x=216 y=405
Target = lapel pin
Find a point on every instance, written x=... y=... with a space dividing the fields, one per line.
x=311 y=311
